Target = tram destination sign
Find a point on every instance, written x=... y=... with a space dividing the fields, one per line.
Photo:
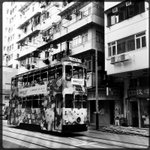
x=75 y=81
x=39 y=89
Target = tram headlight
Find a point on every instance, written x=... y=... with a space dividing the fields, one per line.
x=78 y=120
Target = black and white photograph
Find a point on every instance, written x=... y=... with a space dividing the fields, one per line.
x=75 y=74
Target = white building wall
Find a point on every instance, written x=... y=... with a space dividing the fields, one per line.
x=139 y=59
x=108 y=4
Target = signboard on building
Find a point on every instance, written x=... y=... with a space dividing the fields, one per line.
x=138 y=92
x=90 y=79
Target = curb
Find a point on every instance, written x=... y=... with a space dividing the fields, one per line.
x=123 y=131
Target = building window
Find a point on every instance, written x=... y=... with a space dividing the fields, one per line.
x=89 y=65
x=112 y=49
x=113 y=19
x=78 y=40
x=130 y=43
x=140 y=40
x=121 y=46
x=97 y=36
x=126 y=10
x=127 y=44
x=85 y=37
x=16 y=66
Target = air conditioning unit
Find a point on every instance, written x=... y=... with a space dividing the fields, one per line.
x=28 y=66
x=43 y=5
x=46 y=61
x=75 y=11
x=113 y=60
x=46 y=54
x=17 y=55
x=80 y=14
x=56 y=4
x=114 y=10
x=68 y=17
x=47 y=38
x=124 y=57
x=35 y=54
x=128 y=3
x=53 y=46
x=54 y=24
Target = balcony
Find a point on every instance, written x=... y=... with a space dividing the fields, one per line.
x=30 y=32
x=88 y=45
x=48 y=22
x=25 y=5
x=78 y=24
x=32 y=12
x=129 y=61
x=28 y=49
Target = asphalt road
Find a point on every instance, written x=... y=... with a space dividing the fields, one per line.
x=32 y=138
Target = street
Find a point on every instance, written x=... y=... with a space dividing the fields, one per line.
x=26 y=138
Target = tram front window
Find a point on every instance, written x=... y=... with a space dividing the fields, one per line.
x=80 y=101
x=77 y=72
x=68 y=71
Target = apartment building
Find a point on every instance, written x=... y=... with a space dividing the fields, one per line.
x=127 y=57
x=35 y=18
x=10 y=51
x=10 y=23
x=52 y=30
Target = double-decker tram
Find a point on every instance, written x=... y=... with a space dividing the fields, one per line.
x=53 y=97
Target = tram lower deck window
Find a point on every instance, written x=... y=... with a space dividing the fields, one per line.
x=69 y=100
x=28 y=103
x=35 y=103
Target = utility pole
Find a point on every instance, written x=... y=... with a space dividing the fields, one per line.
x=96 y=91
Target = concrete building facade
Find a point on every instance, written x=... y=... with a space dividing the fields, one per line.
x=127 y=56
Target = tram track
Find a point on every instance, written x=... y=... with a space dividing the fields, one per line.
x=44 y=140
x=48 y=141
x=74 y=142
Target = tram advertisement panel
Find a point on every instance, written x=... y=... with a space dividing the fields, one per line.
x=40 y=89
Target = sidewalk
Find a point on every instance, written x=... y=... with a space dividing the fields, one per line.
x=123 y=130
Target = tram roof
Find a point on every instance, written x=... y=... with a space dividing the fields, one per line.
x=68 y=59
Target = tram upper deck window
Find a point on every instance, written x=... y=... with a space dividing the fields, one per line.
x=20 y=82
x=58 y=71
x=14 y=82
x=68 y=71
x=85 y=73
x=77 y=72
x=69 y=100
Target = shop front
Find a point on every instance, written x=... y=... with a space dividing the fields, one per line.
x=109 y=107
x=138 y=107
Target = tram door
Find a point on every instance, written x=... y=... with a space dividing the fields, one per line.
x=58 y=111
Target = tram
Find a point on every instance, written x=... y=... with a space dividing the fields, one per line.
x=52 y=97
